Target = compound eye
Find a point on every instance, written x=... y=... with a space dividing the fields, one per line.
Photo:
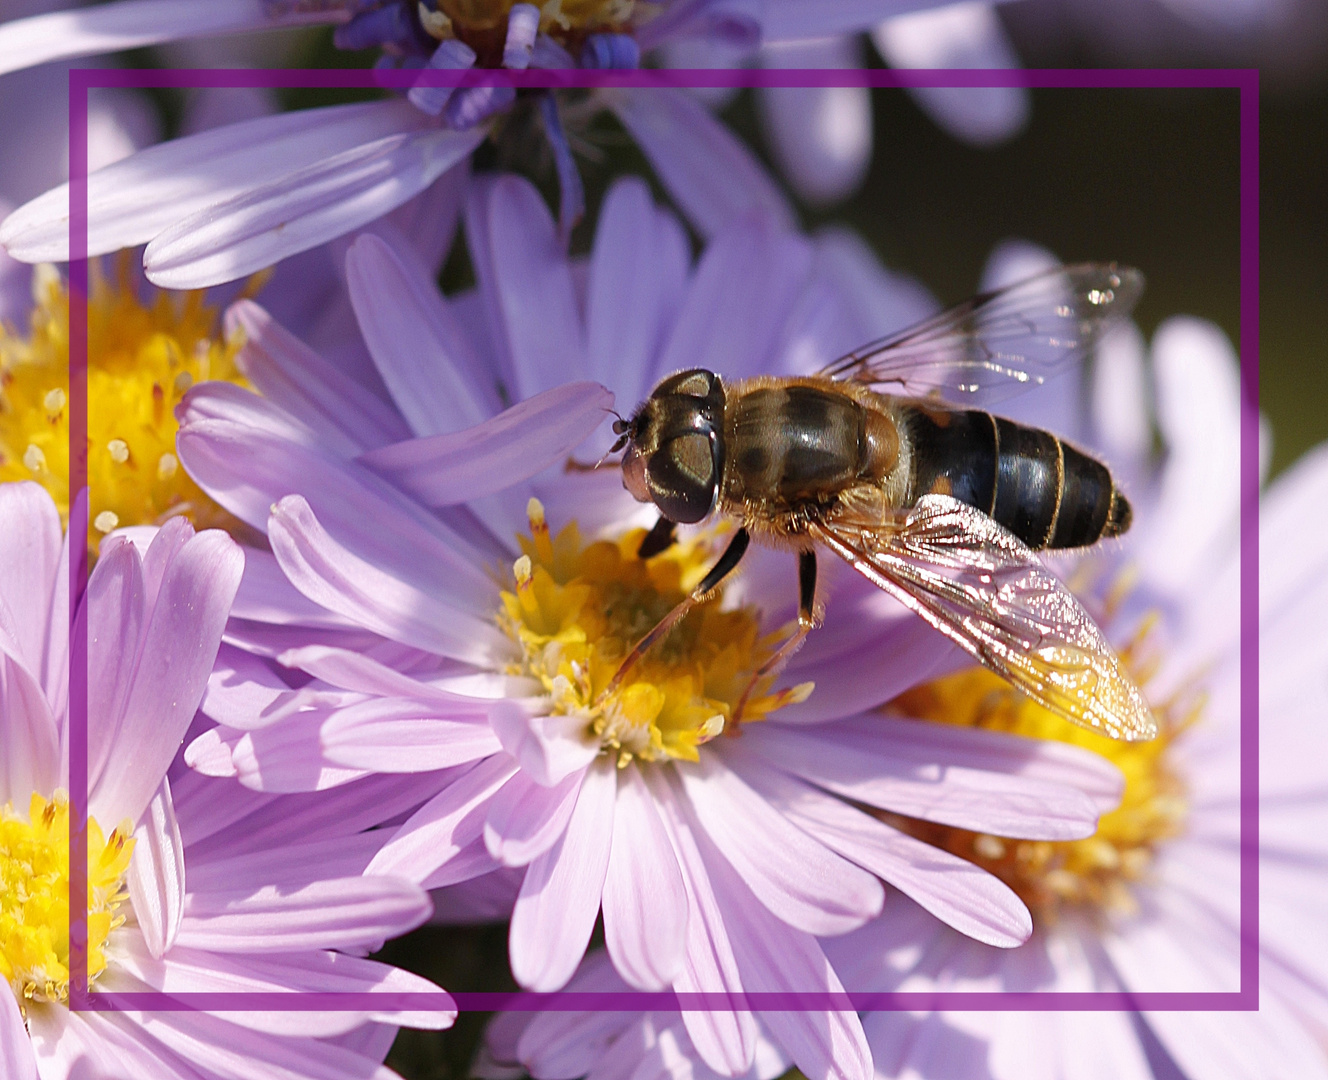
x=683 y=478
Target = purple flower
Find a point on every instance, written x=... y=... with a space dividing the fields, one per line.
x=411 y=633
x=194 y=884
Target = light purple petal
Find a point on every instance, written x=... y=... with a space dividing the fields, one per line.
x=294 y=377
x=179 y=645
x=638 y=270
x=982 y=780
x=281 y=757
x=440 y=470
x=880 y=301
x=525 y=819
x=339 y=579
x=785 y=20
x=797 y=878
x=30 y=542
x=340 y=913
x=16 y=1057
x=560 y=896
x=733 y=317
x=711 y=175
x=963 y=35
x=971 y=900
x=281 y=865
x=66 y=1042
x=422 y=354
x=725 y=1039
x=302 y=209
x=429 y=221
x=549 y=748
x=821 y=135
x=568 y=1044
x=156 y=873
x=645 y=901
x=387 y=735
x=447 y=823
x=531 y=284
x=130 y=24
x=133 y=200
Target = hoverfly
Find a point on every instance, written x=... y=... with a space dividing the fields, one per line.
x=939 y=504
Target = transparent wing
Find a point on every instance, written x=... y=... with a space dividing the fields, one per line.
x=979 y=585
x=1001 y=342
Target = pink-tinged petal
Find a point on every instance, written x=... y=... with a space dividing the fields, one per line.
x=725 y=1039
x=339 y=579
x=532 y=285
x=114 y=610
x=282 y=757
x=179 y=645
x=29 y=738
x=971 y=900
x=66 y=1043
x=797 y=878
x=963 y=35
x=549 y=748
x=130 y=24
x=525 y=819
x=822 y=135
x=560 y=896
x=638 y=270
x=362 y=673
x=447 y=823
x=267 y=597
x=165 y=547
x=711 y=175
x=285 y=866
x=733 y=317
x=300 y=210
x=1272 y=1042
x=30 y=541
x=645 y=901
x=16 y=1056
x=424 y=357
x=568 y=1044
x=1198 y=400
x=133 y=200
x=244 y=692
x=470 y=862
x=391 y=735
x=982 y=780
x=440 y=470
x=156 y=873
x=332 y=914
x=294 y=377
x=55 y=675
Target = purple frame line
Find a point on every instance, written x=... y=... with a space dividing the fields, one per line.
x=1246 y=80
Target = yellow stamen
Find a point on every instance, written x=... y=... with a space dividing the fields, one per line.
x=576 y=610
x=34 y=897
x=1095 y=872
x=142 y=357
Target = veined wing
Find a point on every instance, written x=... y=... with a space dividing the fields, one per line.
x=979 y=585
x=1000 y=342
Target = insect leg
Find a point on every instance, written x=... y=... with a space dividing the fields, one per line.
x=807 y=622
x=732 y=556
x=658 y=539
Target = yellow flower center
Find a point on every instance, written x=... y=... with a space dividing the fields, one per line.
x=1095 y=872
x=577 y=610
x=34 y=897
x=142 y=357
x=482 y=24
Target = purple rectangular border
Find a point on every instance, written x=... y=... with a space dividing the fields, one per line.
x=1246 y=80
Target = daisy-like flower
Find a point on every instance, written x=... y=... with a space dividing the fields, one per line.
x=1152 y=902
x=193 y=884
x=479 y=637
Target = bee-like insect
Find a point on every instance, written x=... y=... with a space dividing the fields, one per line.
x=941 y=505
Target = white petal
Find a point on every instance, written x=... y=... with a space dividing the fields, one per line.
x=300 y=210
x=560 y=896
x=964 y=35
x=133 y=200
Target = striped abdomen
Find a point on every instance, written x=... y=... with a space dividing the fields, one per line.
x=1043 y=490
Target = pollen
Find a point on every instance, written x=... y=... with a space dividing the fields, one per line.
x=145 y=349
x=1095 y=873
x=482 y=24
x=34 y=897
x=577 y=609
